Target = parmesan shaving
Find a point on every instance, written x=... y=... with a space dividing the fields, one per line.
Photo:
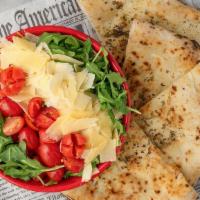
x=87 y=172
x=109 y=152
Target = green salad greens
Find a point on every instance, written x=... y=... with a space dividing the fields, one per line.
x=108 y=84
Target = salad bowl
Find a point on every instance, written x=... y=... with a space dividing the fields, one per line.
x=72 y=182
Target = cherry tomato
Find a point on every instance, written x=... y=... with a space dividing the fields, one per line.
x=46 y=117
x=43 y=122
x=73 y=145
x=79 y=151
x=12 y=80
x=79 y=139
x=74 y=165
x=51 y=112
x=30 y=137
x=67 y=140
x=9 y=108
x=34 y=106
x=44 y=138
x=49 y=154
x=13 y=125
x=30 y=122
x=67 y=151
x=56 y=175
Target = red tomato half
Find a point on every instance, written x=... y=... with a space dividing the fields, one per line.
x=56 y=175
x=74 y=165
x=34 y=106
x=30 y=122
x=43 y=122
x=50 y=154
x=13 y=125
x=44 y=138
x=12 y=80
x=79 y=139
x=46 y=117
x=30 y=137
x=73 y=145
x=9 y=108
x=51 y=112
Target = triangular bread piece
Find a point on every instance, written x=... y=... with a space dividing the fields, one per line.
x=172 y=121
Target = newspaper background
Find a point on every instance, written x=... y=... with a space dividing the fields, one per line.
x=24 y=13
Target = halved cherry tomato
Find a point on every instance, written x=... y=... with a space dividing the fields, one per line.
x=9 y=108
x=46 y=117
x=34 y=106
x=67 y=140
x=49 y=154
x=30 y=122
x=56 y=175
x=73 y=145
x=67 y=151
x=44 y=138
x=30 y=137
x=50 y=112
x=12 y=80
x=79 y=151
x=74 y=165
x=79 y=139
x=13 y=125
x=43 y=122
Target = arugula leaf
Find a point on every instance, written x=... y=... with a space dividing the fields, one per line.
x=72 y=42
x=51 y=37
x=34 y=164
x=95 y=162
x=115 y=78
x=87 y=46
x=55 y=49
x=4 y=140
x=13 y=153
x=71 y=174
x=93 y=68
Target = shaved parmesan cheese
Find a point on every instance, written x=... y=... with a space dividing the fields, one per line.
x=65 y=58
x=30 y=62
x=74 y=125
x=87 y=172
x=43 y=46
x=32 y=38
x=95 y=143
x=23 y=44
x=106 y=124
x=80 y=78
x=85 y=80
x=65 y=125
x=88 y=82
x=82 y=101
x=109 y=152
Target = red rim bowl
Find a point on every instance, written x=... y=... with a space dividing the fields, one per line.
x=72 y=182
